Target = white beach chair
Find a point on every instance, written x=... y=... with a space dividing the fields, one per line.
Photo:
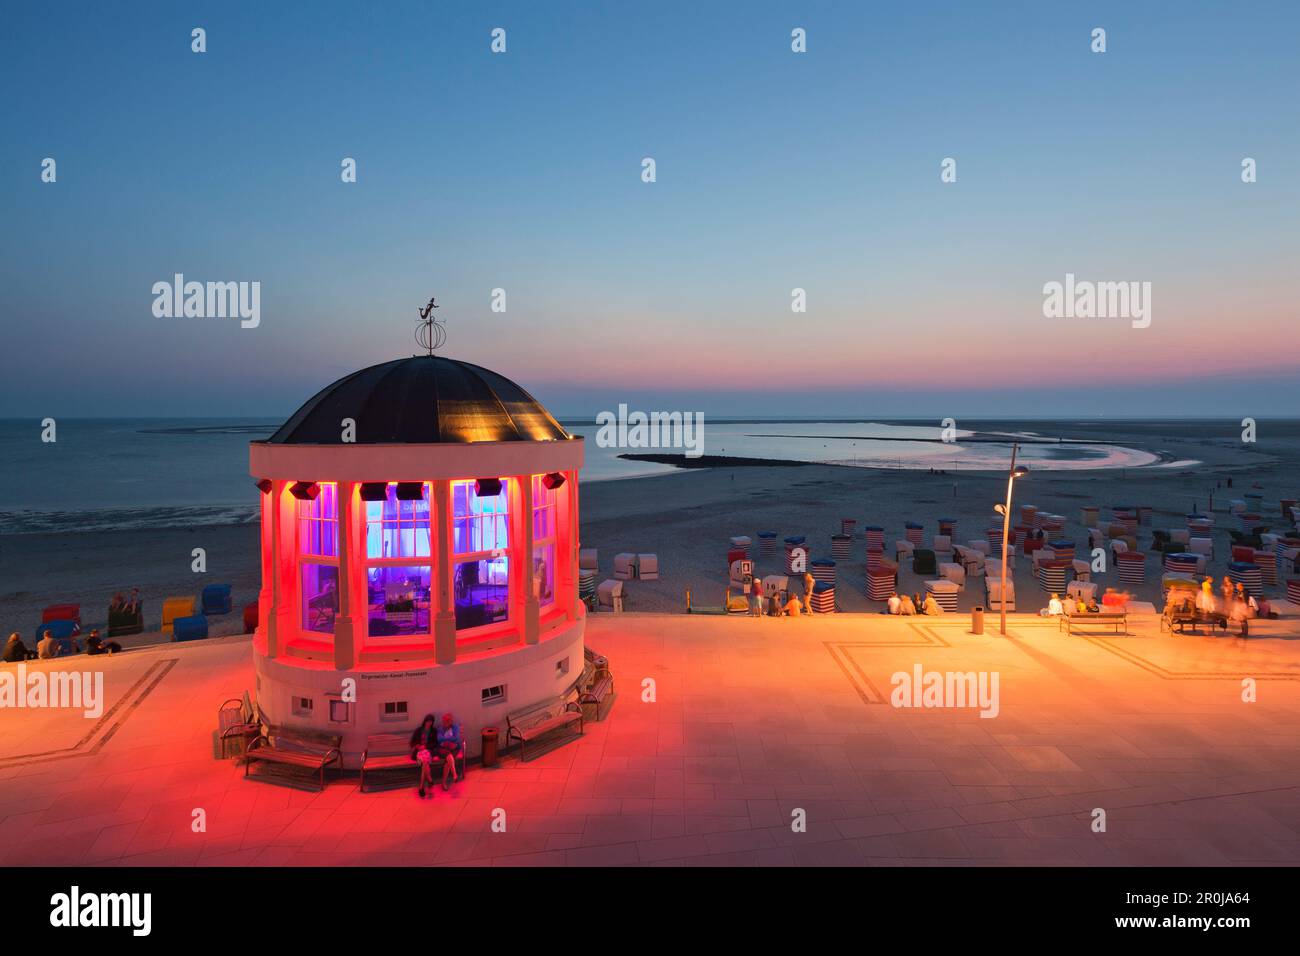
x=1082 y=570
x=775 y=584
x=993 y=589
x=980 y=545
x=624 y=566
x=942 y=544
x=588 y=560
x=647 y=566
x=903 y=550
x=1087 y=590
x=610 y=594
x=951 y=571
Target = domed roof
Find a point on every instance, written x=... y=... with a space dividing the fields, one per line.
x=425 y=399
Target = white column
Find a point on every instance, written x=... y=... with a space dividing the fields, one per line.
x=574 y=543
x=345 y=650
x=529 y=605
x=444 y=620
x=287 y=602
x=270 y=597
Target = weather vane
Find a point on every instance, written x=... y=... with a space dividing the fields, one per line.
x=429 y=332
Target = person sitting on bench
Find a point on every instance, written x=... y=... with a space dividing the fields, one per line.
x=16 y=651
x=96 y=645
x=449 y=744
x=423 y=742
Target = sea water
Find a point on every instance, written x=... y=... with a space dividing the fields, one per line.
x=122 y=474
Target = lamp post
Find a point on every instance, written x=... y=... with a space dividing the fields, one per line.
x=1005 y=510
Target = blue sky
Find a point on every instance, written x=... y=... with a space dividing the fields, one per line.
x=775 y=171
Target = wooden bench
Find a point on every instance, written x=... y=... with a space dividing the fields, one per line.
x=233 y=724
x=597 y=683
x=1072 y=620
x=393 y=752
x=601 y=688
x=295 y=748
x=539 y=720
x=386 y=752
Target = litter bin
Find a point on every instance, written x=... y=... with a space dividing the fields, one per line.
x=977 y=619
x=490 y=735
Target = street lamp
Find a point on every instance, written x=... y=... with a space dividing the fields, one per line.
x=1016 y=471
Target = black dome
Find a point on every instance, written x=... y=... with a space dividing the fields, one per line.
x=425 y=399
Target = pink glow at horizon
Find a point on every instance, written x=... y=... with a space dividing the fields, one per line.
x=961 y=353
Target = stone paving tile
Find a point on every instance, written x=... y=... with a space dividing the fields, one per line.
x=751 y=727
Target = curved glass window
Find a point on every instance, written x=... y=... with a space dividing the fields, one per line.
x=479 y=524
x=397 y=600
x=318 y=523
x=398 y=529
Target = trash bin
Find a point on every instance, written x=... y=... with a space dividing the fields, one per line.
x=977 y=619
x=490 y=735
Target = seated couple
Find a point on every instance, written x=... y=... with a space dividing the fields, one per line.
x=433 y=741
x=913 y=605
x=1079 y=605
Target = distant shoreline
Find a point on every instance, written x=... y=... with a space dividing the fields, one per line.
x=720 y=461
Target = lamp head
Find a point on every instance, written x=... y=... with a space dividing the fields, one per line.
x=999 y=509
x=1020 y=471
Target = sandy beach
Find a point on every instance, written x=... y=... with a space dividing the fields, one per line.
x=687 y=517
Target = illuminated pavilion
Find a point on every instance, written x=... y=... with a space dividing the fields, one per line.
x=419 y=536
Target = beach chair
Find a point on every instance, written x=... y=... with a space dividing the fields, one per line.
x=64 y=634
x=923 y=561
x=610 y=594
x=647 y=567
x=952 y=571
x=250 y=617
x=122 y=621
x=62 y=612
x=192 y=628
x=903 y=550
x=624 y=566
x=993 y=588
x=216 y=599
x=945 y=593
x=588 y=560
x=174 y=607
x=1081 y=590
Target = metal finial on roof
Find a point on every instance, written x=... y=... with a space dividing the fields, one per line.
x=429 y=332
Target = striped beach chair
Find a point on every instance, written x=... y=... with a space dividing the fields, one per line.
x=841 y=545
x=1247 y=574
x=945 y=593
x=822 y=569
x=1053 y=575
x=880 y=582
x=1131 y=566
x=823 y=597
x=796 y=546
